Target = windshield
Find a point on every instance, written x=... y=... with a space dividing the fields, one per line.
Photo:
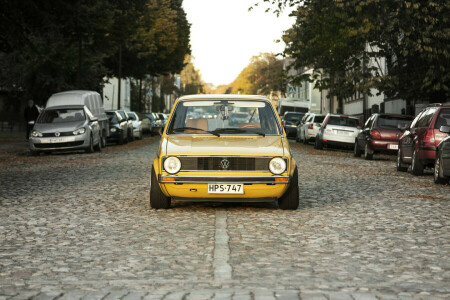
x=319 y=119
x=112 y=117
x=61 y=116
x=389 y=122
x=343 y=121
x=224 y=117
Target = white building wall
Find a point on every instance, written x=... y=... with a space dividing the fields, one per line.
x=353 y=108
x=111 y=91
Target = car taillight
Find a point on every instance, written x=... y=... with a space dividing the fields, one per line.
x=325 y=123
x=428 y=139
x=375 y=134
x=284 y=123
x=310 y=126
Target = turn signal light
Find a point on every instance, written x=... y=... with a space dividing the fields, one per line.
x=375 y=134
x=167 y=179
x=281 y=180
x=310 y=126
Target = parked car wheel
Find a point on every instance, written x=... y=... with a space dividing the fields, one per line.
x=305 y=141
x=90 y=148
x=103 y=140
x=318 y=144
x=290 y=199
x=297 y=137
x=368 y=154
x=98 y=147
x=438 y=176
x=157 y=197
x=416 y=165
x=401 y=167
x=356 y=150
x=140 y=135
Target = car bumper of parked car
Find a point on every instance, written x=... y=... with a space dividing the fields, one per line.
x=384 y=146
x=290 y=131
x=329 y=139
x=114 y=136
x=75 y=142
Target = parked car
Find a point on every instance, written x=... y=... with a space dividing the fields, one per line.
x=118 y=128
x=417 y=146
x=309 y=128
x=72 y=120
x=290 y=121
x=124 y=115
x=163 y=118
x=158 y=125
x=137 y=124
x=381 y=133
x=338 y=130
x=210 y=160
x=146 y=123
x=442 y=161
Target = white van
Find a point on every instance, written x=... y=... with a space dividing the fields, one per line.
x=73 y=120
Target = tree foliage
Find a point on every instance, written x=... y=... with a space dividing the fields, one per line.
x=339 y=37
x=264 y=74
x=53 y=45
x=191 y=79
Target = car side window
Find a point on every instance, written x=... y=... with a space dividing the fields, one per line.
x=425 y=119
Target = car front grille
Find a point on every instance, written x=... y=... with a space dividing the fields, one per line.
x=217 y=163
x=59 y=145
x=52 y=134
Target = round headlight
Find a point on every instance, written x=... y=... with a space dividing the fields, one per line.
x=172 y=165
x=113 y=129
x=277 y=165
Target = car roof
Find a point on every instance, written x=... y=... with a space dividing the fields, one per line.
x=342 y=115
x=223 y=96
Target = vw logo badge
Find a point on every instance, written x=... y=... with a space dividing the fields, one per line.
x=225 y=164
x=57 y=133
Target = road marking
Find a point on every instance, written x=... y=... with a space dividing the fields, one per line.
x=222 y=269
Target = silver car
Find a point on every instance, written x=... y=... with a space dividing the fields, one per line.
x=65 y=128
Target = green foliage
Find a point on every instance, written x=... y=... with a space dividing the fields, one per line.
x=191 y=79
x=264 y=74
x=53 y=45
x=339 y=37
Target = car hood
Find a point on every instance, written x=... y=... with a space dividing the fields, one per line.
x=223 y=145
x=61 y=127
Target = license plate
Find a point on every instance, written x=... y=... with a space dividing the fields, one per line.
x=225 y=188
x=341 y=132
x=60 y=140
x=393 y=146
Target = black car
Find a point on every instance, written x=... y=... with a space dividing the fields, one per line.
x=118 y=128
x=290 y=121
x=125 y=116
x=442 y=162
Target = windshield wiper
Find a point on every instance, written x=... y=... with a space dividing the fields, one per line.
x=193 y=128
x=237 y=130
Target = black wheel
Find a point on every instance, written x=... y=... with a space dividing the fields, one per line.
x=368 y=155
x=416 y=165
x=318 y=144
x=98 y=147
x=103 y=140
x=130 y=136
x=438 y=173
x=290 y=199
x=120 y=141
x=140 y=135
x=401 y=167
x=305 y=141
x=90 y=148
x=356 y=150
x=157 y=197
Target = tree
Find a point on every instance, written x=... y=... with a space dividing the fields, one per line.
x=191 y=79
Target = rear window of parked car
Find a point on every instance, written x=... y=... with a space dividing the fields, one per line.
x=389 y=122
x=343 y=121
x=319 y=119
x=443 y=118
x=293 y=117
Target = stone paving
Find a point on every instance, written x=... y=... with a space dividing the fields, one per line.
x=79 y=226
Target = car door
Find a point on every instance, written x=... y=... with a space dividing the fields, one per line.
x=407 y=140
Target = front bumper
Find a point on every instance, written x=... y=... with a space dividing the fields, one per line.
x=76 y=142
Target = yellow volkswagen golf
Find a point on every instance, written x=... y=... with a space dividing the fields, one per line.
x=226 y=148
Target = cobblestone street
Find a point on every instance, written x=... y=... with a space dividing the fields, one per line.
x=79 y=226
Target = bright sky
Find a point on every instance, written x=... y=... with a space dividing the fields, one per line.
x=225 y=35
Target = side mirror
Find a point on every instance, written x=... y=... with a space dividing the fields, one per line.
x=445 y=129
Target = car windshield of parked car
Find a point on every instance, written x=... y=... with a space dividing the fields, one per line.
x=132 y=116
x=391 y=122
x=61 y=116
x=224 y=117
x=294 y=118
x=319 y=119
x=112 y=117
x=343 y=121
x=443 y=118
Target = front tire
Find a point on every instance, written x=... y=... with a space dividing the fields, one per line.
x=368 y=155
x=98 y=147
x=438 y=173
x=103 y=140
x=90 y=148
x=356 y=150
x=290 y=199
x=157 y=197
x=416 y=165
x=318 y=144
x=401 y=167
